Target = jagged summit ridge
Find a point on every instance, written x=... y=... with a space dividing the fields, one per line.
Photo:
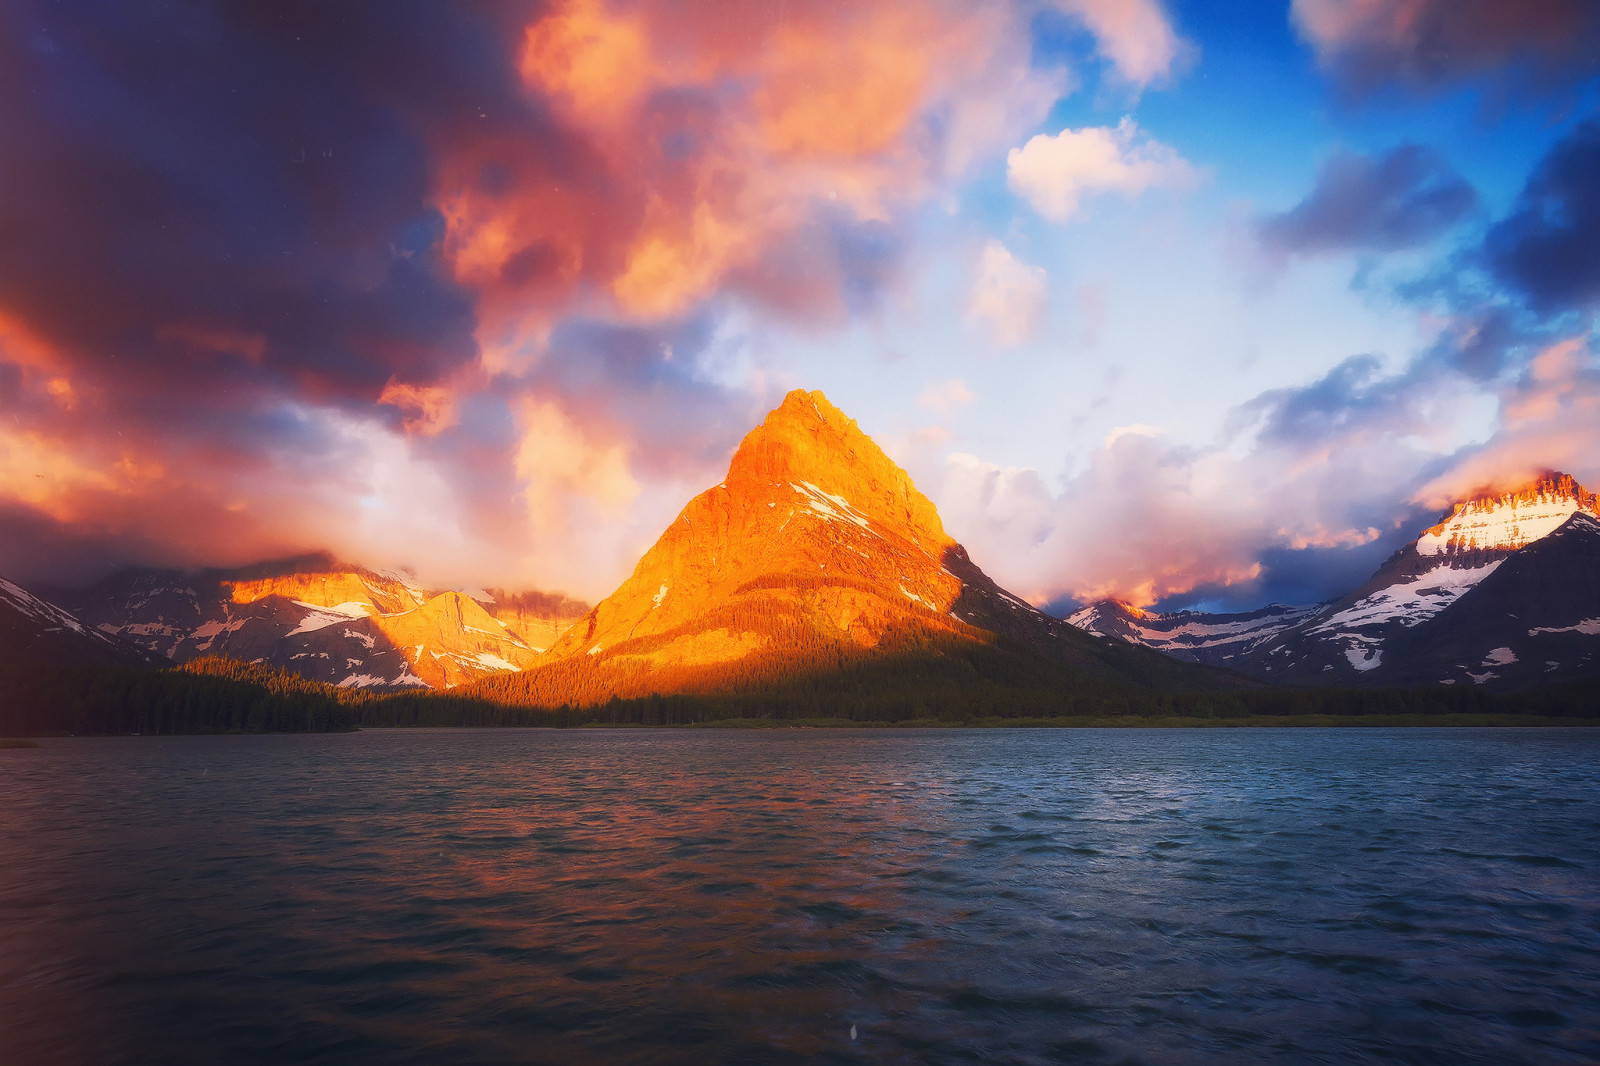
x=1506 y=521
x=806 y=437
x=809 y=500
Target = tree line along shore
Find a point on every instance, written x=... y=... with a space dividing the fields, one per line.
x=226 y=696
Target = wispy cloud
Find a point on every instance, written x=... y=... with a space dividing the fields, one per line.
x=1011 y=296
x=1056 y=173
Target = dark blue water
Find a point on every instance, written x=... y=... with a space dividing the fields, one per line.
x=1096 y=896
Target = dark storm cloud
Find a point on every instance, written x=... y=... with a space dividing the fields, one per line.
x=204 y=194
x=1352 y=397
x=1479 y=344
x=1402 y=200
x=1548 y=249
x=1296 y=576
x=1534 y=46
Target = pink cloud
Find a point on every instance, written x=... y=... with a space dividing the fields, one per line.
x=1135 y=35
x=1056 y=173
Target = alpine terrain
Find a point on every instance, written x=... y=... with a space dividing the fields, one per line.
x=817 y=559
x=1505 y=590
x=326 y=621
x=35 y=631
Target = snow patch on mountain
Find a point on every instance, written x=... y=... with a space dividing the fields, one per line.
x=43 y=611
x=321 y=618
x=1363 y=656
x=1589 y=627
x=1410 y=602
x=830 y=506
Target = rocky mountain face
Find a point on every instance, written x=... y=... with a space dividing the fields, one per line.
x=537 y=617
x=1504 y=591
x=37 y=632
x=1194 y=636
x=318 y=618
x=815 y=546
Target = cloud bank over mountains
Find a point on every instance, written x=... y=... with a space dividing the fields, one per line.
x=491 y=290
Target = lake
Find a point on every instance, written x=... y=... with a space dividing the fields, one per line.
x=665 y=896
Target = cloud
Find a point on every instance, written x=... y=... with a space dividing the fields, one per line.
x=1548 y=249
x=274 y=281
x=1323 y=468
x=427 y=409
x=1009 y=294
x=1055 y=173
x=947 y=397
x=701 y=150
x=1405 y=199
x=1549 y=419
x=1432 y=44
x=1135 y=35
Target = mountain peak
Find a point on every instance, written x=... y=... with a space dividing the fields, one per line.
x=811 y=446
x=1505 y=520
x=814 y=556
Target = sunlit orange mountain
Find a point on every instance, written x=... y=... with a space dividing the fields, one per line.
x=816 y=555
x=326 y=620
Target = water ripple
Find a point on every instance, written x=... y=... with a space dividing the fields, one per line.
x=1086 y=896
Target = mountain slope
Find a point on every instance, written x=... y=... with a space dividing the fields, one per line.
x=814 y=555
x=321 y=619
x=1194 y=636
x=1533 y=618
x=34 y=631
x=1502 y=591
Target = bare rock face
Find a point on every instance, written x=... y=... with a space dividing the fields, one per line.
x=539 y=618
x=814 y=551
x=451 y=640
x=813 y=518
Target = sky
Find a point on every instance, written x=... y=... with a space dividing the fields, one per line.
x=1195 y=305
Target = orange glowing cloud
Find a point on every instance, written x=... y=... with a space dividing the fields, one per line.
x=1549 y=420
x=21 y=346
x=696 y=142
x=598 y=62
x=557 y=461
x=427 y=410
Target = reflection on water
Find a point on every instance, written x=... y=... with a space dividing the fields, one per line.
x=995 y=896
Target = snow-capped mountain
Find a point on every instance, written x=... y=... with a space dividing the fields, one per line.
x=1505 y=590
x=324 y=620
x=35 y=631
x=1196 y=636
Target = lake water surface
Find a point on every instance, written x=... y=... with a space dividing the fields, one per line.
x=1096 y=896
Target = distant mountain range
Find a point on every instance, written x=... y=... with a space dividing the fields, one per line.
x=817 y=566
x=324 y=620
x=1505 y=591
